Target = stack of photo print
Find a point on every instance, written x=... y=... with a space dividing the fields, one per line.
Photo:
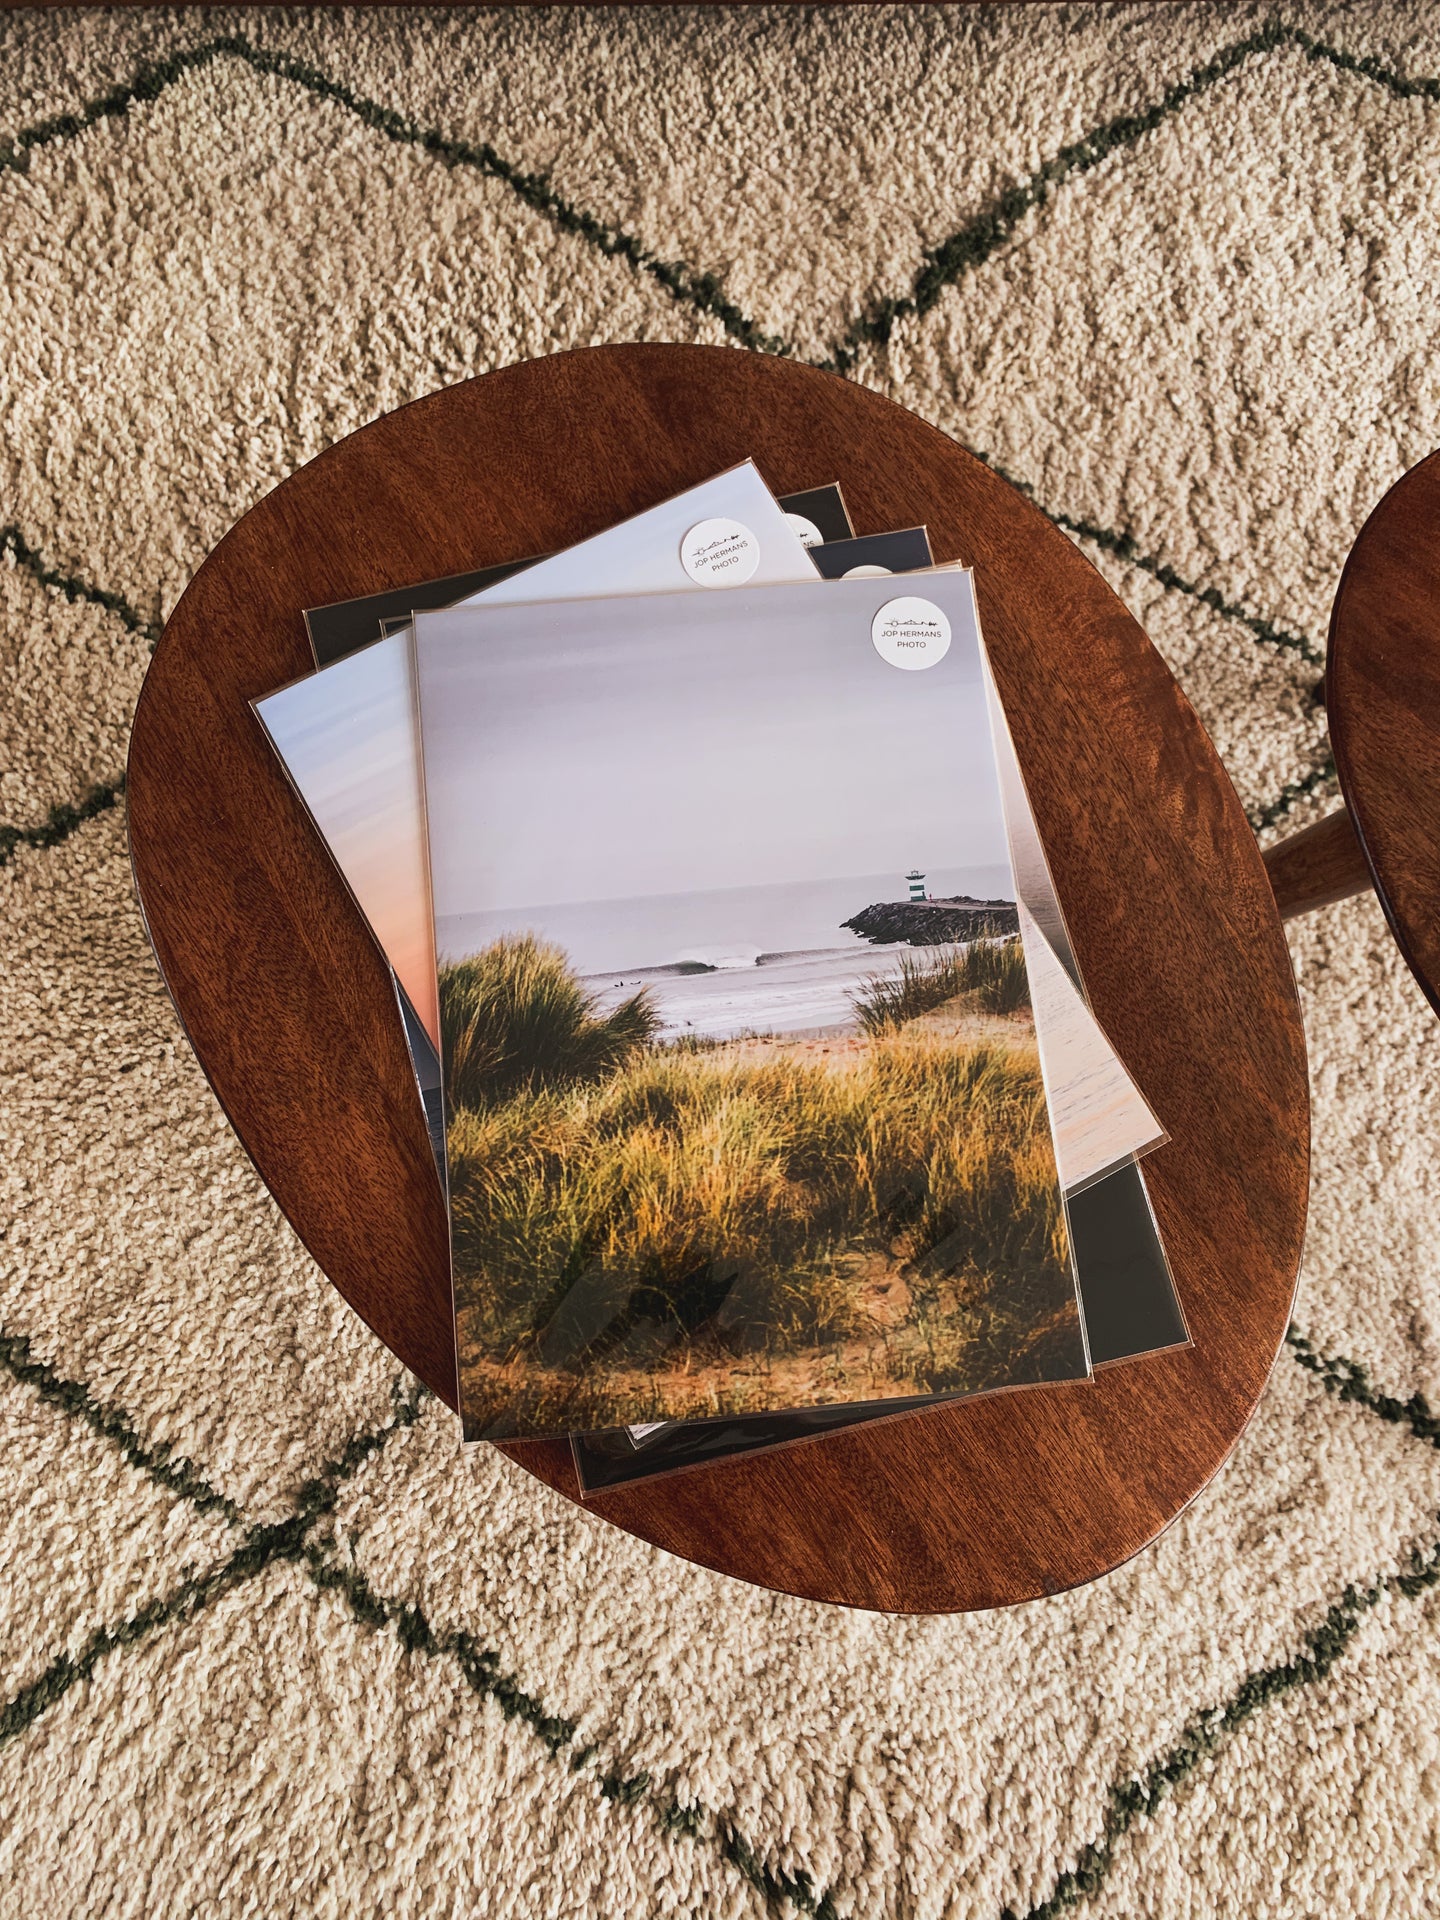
x=764 y=1091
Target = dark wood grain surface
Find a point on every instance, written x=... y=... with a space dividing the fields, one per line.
x=289 y=1006
x=1317 y=866
x=1382 y=691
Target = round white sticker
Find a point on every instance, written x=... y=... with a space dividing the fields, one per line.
x=911 y=633
x=719 y=553
x=805 y=531
x=867 y=573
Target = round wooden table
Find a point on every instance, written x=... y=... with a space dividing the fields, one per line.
x=1382 y=694
x=289 y=1007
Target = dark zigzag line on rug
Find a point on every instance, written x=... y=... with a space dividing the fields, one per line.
x=974 y=243
x=944 y=265
x=968 y=247
x=289 y=1539
x=261 y=1550
x=177 y=1475
x=1348 y=1381
x=1133 y=1800
x=160 y=1463
x=262 y=1547
x=701 y=291
x=62 y=820
x=481 y=1668
x=1122 y=545
x=65 y=817
x=1292 y=793
x=1124 y=548
x=13 y=541
x=1139 y=1797
x=482 y=1673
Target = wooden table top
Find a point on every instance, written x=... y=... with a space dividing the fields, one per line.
x=289 y=1006
x=1382 y=692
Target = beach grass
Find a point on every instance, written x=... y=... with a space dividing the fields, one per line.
x=514 y=1019
x=991 y=972
x=622 y=1207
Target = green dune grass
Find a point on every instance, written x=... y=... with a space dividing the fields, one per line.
x=514 y=1019
x=614 y=1200
x=992 y=972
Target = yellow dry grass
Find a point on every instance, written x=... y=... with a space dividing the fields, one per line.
x=726 y=1214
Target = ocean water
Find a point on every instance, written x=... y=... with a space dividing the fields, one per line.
x=772 y=959
x=805 y=993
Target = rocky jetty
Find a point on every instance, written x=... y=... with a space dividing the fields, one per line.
x=934 y=923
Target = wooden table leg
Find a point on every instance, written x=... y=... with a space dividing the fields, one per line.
x=1319 y=865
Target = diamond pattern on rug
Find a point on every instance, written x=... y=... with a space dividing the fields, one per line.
x=185 y=1297
x=271 y=1641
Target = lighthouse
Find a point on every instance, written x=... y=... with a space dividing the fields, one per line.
x=917 y=885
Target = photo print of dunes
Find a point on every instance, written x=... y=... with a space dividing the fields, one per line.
x=743 y=1103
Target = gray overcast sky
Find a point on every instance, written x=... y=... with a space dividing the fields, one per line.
x=681 y=742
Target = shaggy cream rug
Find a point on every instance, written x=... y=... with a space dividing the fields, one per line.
x=269 y=1645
